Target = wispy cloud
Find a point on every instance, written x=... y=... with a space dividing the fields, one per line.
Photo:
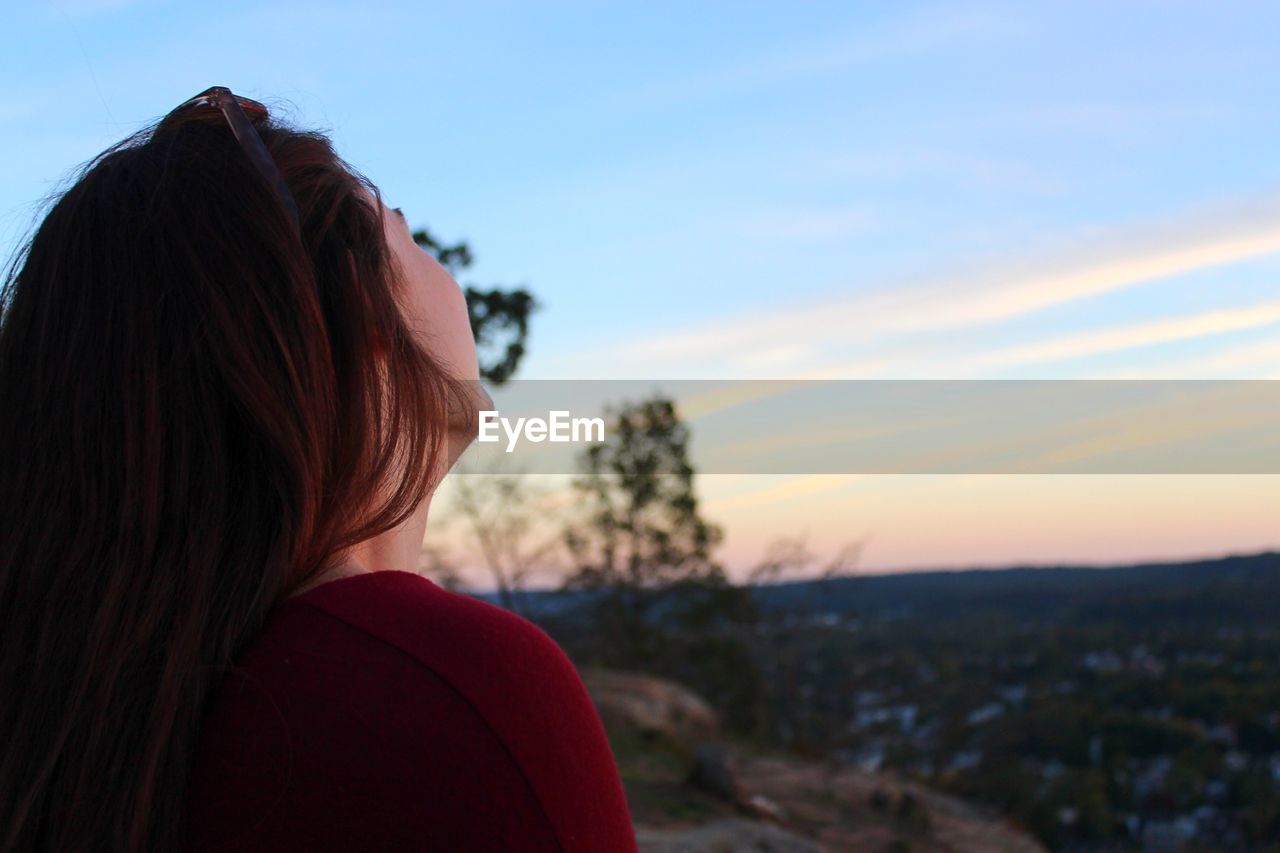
x=1117 y=338
x=1252 y=360
x=933 y=309
x=793 y=488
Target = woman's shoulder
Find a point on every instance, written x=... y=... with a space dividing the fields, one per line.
x=327 y=735
x=514 y=676
x=393 y=604
x=504 y=665
x=475 y=712
x=469 y=641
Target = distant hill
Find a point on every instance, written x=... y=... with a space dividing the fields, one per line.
x=1235 y=589
x=1240 y=589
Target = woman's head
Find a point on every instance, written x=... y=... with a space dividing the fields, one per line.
x=202 y=407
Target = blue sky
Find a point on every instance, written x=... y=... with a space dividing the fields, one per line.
x=758 y=190
x=673 y=168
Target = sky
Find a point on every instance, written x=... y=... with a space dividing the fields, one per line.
x=784 y=190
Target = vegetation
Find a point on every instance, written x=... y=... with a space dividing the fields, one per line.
x=499 y=316
x=642 y=551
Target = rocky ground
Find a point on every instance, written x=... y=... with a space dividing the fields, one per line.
x=691 y=790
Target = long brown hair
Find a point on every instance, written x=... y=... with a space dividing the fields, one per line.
x=198 y=412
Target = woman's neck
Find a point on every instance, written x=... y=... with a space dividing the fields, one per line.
x=399 y=549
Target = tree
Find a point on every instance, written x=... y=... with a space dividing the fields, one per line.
x=499 y=317
x=789 y=558
x=643 y=550
x=506 y=517
x=643 y=528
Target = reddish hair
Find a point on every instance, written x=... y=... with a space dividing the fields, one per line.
x=201 y=412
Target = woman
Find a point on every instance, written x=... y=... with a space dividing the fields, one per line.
x=229 y=384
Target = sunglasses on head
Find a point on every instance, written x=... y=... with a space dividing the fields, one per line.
x=241 y=114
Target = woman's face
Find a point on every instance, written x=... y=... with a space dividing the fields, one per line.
x=433 y=305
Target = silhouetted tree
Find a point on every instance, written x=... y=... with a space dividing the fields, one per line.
x=644 y=528
x=499 y=317
x=660 y=601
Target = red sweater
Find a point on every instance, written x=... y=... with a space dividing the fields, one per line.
x=382 y=712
